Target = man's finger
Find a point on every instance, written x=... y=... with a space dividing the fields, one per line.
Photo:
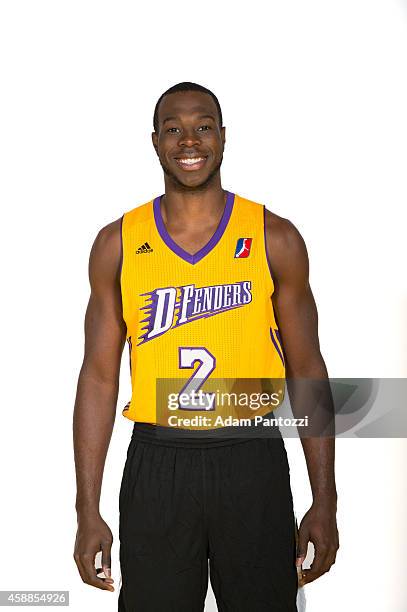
x=89 y=573
x=99 y=570
x=106 y=559
x=79 y=566
x=302 y=578
x=320 y=564
x=302 y=546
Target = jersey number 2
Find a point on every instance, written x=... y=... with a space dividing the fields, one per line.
x=187 y=356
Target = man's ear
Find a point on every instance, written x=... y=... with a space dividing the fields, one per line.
x=223 y=135
x=154 y=138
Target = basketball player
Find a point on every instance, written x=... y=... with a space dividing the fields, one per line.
x=201 y=281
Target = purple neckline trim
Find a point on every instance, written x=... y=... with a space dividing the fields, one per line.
x=193 y=259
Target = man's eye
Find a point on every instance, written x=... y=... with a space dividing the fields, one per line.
x=204 y=127
x=172 y=130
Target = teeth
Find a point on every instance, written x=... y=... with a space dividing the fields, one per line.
x=189 y=161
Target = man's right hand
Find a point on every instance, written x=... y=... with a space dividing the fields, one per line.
x=93 y=535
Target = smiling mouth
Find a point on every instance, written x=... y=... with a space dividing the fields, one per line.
x=191 y=163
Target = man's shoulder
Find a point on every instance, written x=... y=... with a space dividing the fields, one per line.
x=109 y=235
x=281 y=232
x=285 y=247
x=105 y=256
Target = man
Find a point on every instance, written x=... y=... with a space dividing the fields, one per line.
x=202 y=283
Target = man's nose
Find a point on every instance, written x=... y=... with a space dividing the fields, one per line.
x=189 y=138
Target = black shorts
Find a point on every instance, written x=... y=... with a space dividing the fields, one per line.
x=186 y=502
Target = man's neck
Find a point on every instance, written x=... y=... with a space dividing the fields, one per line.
x=190 y=207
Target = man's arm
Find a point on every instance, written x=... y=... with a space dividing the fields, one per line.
x=96 y=398
x=297 y=319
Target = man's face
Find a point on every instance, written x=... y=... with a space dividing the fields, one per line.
x=190 y=141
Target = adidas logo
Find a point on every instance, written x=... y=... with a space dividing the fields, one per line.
x=145 y=248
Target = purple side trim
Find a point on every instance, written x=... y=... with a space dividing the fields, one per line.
x=265 y=243
x=130 y=350
x=276 y=345
x=278 y=336
x=193 y=259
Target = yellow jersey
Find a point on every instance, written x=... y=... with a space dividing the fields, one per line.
x=196 y=320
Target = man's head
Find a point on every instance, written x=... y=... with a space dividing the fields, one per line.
x=188 y=135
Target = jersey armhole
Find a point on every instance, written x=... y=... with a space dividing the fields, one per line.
x=121 y=274
x=265 y=248
x=121 y=250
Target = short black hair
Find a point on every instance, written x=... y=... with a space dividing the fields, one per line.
x=186 y=86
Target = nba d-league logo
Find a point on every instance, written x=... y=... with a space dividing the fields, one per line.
x=243 y=247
